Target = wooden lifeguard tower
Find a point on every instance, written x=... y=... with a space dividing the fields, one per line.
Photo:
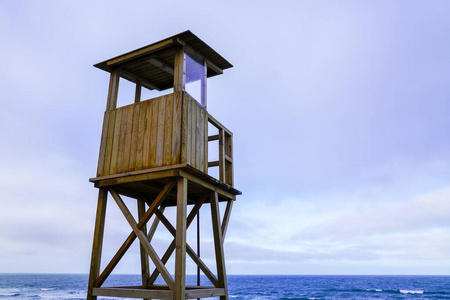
x=156 y=152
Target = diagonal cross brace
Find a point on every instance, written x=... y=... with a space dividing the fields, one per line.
x=132 y=236
x=144 y=240
x=189 y=250
x=191 y=253
x=226 y=217
x=171 y=247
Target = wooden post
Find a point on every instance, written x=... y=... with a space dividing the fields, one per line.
x=111 y=102
x=222 y=159
x=218 y=244
x=98 y=242
x=180 y=241
x=137 y=94
x=179 y=70
x=203 y=86
x=198 y=247
x=229 y=159
x=144 y=257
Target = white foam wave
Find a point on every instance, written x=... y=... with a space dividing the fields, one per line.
x=411 y=292
x=9 y=292
x=3 y=294
x=63 y=295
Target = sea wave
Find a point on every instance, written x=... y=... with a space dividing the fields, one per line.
x=63 y=295
x=304 y=298
x=2 y=295
x=410 y=292
x=9 y=292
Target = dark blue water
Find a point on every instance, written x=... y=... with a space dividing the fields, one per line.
x=59 y=286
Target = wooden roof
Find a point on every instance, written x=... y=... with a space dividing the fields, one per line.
x=153 y=64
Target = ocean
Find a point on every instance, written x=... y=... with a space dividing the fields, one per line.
x=69 y=286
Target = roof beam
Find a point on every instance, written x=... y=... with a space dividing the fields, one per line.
x=162 y=65
x=139 y=52
x=134 y=78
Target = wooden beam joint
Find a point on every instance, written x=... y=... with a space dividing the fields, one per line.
x=162 y=65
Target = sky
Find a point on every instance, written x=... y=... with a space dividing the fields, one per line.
x=339 y=111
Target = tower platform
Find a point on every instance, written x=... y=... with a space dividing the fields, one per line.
x=149 y=182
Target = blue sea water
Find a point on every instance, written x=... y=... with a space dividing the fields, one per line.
x=61 y=286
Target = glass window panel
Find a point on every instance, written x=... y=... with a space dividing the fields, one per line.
x=196 y=79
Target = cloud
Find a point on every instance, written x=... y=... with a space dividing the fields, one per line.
x=421 y=213
x=333 y=146
x=295 y=231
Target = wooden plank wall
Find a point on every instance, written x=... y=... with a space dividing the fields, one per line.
x=163 y=131
x=195 y=143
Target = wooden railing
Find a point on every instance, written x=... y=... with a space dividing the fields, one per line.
x=225 y=162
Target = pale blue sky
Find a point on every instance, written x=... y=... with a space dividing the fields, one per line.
x=339 y=111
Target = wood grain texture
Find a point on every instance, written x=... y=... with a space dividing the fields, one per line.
x=147 y=135
x=97 y=243
x=192 y=131
x=218 y=244
x=133 y=293
x=137 y=93
x=125 y=165
x=185 y=157
x=160 y=133
x=109 y=143
x=145 y=269
x=179 y=71
x=198 y=138
x=134 y=138
x=122 y=140
x=116 y=143
x=180 y=241
x=153 y=123
x=168 y=126
x=205 y=142
x=176 y=129
x=141 y=134
x=113 y=90
x=226 y=218
x=229 y=159
x=101 y=155
x=163 y=131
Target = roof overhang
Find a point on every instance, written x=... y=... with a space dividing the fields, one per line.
x=152 y=65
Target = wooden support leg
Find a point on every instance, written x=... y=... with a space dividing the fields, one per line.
x=180 y=242
x=98 y=242
x=144 y=257
x=218 y=244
